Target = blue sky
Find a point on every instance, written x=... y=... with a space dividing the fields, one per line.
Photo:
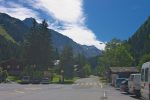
x=87 y=22
x=116 y=18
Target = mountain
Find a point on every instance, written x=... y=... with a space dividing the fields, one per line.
x=140 y=41
x=15 y=27
x=60 y=41
x=5 y=35
x=18 y=29
x=8 y=46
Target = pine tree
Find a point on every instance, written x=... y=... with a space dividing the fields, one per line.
x=66 y=62
x=81 y=62
x=38 y=47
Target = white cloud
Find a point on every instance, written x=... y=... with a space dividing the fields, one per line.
x=69 y=13
x=18 y=11
x=83 y=35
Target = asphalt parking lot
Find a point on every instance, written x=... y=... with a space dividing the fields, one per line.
x=83 y=89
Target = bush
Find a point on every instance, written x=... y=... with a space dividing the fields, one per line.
x=3 y=75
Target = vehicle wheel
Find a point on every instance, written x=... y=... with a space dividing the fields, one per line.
x=138 y=93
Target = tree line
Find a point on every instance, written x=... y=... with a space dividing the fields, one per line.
x=128 y=53
x=38 y=55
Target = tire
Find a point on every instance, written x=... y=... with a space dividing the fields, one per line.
x=138 y=93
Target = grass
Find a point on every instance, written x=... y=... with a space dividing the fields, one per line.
x=103 y=80
x=6 y=35
x=14 y=79
x=66 y=81
x=55 y=79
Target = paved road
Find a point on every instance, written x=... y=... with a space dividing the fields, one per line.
x=83 y=89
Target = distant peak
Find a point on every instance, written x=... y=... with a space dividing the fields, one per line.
x=29 y=21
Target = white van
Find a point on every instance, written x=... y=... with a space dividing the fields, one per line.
x=145 y=81
x=134 y=84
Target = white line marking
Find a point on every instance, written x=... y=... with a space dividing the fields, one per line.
x=105 y=97
x=32 y=88
x=101 y=84
x=19 y=91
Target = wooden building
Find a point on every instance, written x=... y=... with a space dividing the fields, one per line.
x=120 y=72
x=13 y=66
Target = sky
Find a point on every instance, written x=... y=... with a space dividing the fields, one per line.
x=87 y=22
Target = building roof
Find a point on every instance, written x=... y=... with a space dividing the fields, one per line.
x=11 y=61
x=123 y=69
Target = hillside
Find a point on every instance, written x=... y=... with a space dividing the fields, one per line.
x=8 y=46
x=5 y=35
x=140 y=41
x=18 y=29
x=59 y=41
x=14 y=27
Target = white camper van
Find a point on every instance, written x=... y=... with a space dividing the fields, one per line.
x=145 y=81
x=134 y=84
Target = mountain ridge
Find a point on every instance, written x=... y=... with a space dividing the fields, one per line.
x=140 y=41
x=18 y=29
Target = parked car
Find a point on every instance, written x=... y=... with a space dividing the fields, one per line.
x=145 y=81
x=124 y=86
x=0 y=79
x=45 y=80
x=118 y=82
x=25 y=80
x=35 y=80
x=134 y=84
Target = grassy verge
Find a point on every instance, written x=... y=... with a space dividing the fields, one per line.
x=66 y=81
x=103 y=80
x=13 y=79
x=55 y=79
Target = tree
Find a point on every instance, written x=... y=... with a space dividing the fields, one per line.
x=143 y=60
x=80 y=61
x=116 y=55
x=100 y=70
x=87 y=70
x=66 y=62
x=140 y=41
x=38 y=47
x=9 y=48
x=113 y=44
x=3 y=75
x=56 y=54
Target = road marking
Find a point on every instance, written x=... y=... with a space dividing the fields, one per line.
x=19 y=91
x=101 y=84
x=105 y=97
x=89 y=84
x=32 y=88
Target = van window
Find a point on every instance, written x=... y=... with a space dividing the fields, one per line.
x=146 y=75
x=137 y=78
x=132 y=77
x=142 y=75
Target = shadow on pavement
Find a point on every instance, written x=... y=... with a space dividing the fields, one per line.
x=135 y=97
x=125 y=93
